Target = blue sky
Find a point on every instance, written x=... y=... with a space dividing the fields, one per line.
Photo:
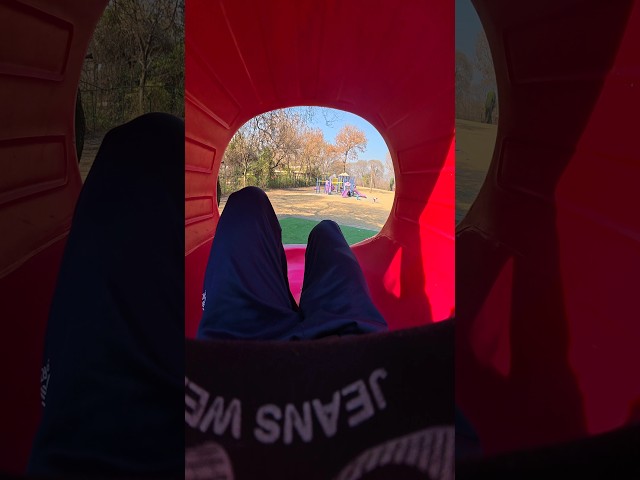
x=376 y=146
x=467 y=27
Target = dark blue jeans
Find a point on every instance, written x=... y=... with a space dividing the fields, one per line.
x=113 y=366
x=246 y=290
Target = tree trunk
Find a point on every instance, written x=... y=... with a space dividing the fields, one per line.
x=141 y=90
x=80 y=125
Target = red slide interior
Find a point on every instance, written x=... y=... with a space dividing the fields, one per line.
x=389 y=62
x=42 y=47
x=547 y=259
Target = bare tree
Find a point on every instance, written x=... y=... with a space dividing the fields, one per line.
x=484 y=64
x=135 y=62
x=390 y=172
x=376 y=169
x=483 y=60
x=367 y=172
x=330 y=116
x=464 y=75
x=141 y=32
x=279 y=133
x=335 y=160
x=360 y=170
x=242 y=152
x=314 y=150
x=349 y=141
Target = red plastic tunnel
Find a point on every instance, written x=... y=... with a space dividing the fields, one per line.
x=547 y=258
x=246 y=59
x=389 y=62
x=42 y=48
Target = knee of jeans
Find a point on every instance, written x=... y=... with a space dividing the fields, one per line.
x=325 y=228
x=249 y=194
x=327 y=224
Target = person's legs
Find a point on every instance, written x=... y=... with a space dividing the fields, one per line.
x=112 y=384
x=335 y=298
x=246 y=289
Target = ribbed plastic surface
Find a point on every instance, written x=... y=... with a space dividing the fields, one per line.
x=389 y=62
x=42 y=47
x=547 y=258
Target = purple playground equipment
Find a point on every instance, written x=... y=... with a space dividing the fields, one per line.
x=326 y=183
x=349 y=189
x=338 y=184
x=342 y=184
x=358 y=194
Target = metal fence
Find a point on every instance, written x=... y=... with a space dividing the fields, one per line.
x=230 y=183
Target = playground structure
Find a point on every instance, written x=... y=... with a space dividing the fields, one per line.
x=342 y=184
x=547 y=257
x=351 y=191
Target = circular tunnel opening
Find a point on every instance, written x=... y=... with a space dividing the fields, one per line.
x=314 y=163
x=239 y=66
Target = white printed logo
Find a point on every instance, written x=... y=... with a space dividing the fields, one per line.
x=289 y=423
x=206 y=462
x=45 y=376
x=430 y=451
x=204 y=299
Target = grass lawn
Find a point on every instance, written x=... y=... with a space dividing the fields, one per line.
x=296 y=230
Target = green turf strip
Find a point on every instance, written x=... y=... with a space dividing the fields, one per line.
x=296 y=230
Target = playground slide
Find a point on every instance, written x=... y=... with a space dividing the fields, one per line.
x=356 y=192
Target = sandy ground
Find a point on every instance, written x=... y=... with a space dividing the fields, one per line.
x=474 y=148
x=305 y=203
